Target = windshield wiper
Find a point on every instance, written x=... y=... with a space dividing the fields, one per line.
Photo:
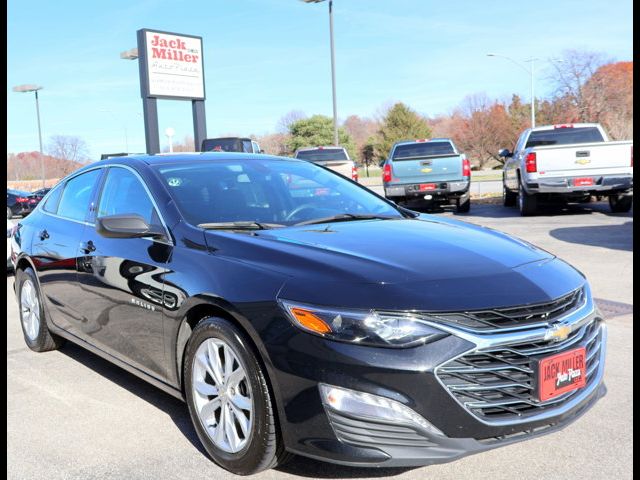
x=346 y=217
x=246 y=225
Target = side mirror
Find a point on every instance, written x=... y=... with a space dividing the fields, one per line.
x=126 y=226
x=261 y=151
x=504 y=152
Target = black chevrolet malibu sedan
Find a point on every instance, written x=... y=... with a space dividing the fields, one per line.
x=297 y=312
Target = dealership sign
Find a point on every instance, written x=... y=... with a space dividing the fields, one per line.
x=173 y=66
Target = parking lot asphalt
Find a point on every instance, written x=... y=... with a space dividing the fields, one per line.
x=72 y=415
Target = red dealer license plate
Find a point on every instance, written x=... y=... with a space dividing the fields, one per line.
x=427 y=186
x=561 y=373
x=583 y=182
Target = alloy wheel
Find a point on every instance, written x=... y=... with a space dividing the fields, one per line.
x=222 y=395
x=30 y=309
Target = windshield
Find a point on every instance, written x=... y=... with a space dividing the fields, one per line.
x=323 y=155
x=265 y=191
x=564 y=136
x=421 y=150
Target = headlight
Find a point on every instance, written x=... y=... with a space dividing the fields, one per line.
x=364 y=327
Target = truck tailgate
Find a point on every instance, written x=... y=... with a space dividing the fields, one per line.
x=587 y=158
x=427 y=169
x=342 y=167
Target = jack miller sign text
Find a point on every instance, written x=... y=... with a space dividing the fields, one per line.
x=174 y=65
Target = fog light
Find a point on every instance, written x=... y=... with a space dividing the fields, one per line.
x=360 y=404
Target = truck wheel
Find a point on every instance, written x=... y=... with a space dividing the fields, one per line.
x=463 y=207
x=509 y=198
x=620 y=203
x=527 y=204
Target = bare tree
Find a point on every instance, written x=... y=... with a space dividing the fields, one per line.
x=287 y=119
x=68 y=147
x=570 y=73
x=186 y=145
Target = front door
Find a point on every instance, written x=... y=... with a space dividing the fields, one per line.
x=122 y=279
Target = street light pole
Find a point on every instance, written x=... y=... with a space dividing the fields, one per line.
x=40 y=138
x=35 y=88
x=336 y=140
x=530 y=72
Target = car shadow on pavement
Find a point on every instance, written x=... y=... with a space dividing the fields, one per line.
x=544 y=210
x=174 y=408
x=618 y=237
x=310 y=468
x=179 y=414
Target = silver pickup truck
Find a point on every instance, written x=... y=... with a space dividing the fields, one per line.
x=569 y=162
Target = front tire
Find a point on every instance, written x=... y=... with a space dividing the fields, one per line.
x=229 y=400
x=527 y=204
x=620 y=203
x=32 y=315
x=509 y=198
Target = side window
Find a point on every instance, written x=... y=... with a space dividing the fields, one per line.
x=246 y=146
x=74 y=202
x=256 y=147
x=51 y=205
x=124 y=193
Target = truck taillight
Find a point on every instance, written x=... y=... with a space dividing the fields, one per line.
x=530 y=162
x=354 y=173
x=22 y=199
x=386 y=173
x=466 y=168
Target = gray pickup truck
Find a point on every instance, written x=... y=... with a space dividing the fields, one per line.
x=569 y=162
x=427 y=171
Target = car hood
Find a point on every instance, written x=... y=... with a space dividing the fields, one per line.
x=405 y=263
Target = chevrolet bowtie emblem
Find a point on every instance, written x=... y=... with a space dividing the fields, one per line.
x=583 y=161
x=557 y=333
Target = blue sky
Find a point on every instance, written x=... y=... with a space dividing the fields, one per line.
x=264 y=58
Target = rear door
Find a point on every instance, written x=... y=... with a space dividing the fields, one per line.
x=122 y=279
x=427 y=161
x=55 y=247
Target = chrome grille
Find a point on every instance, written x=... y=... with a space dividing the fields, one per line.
x=513 y=317
x=498 y=383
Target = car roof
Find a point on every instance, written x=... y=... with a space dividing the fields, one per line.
x=17 y=192
x=190 y=157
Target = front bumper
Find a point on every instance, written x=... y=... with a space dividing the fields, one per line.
x=602 y=184
x=442 y=190
x=410 y=377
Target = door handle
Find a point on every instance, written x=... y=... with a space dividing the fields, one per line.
x=43 y=235
x=87 y=247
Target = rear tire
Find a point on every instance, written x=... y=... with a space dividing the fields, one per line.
x=9 y=213
x=620 y=203
x=509 y=198
x=32 y=314
x=527 y=204
x=260 y=446
x=463 y=207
